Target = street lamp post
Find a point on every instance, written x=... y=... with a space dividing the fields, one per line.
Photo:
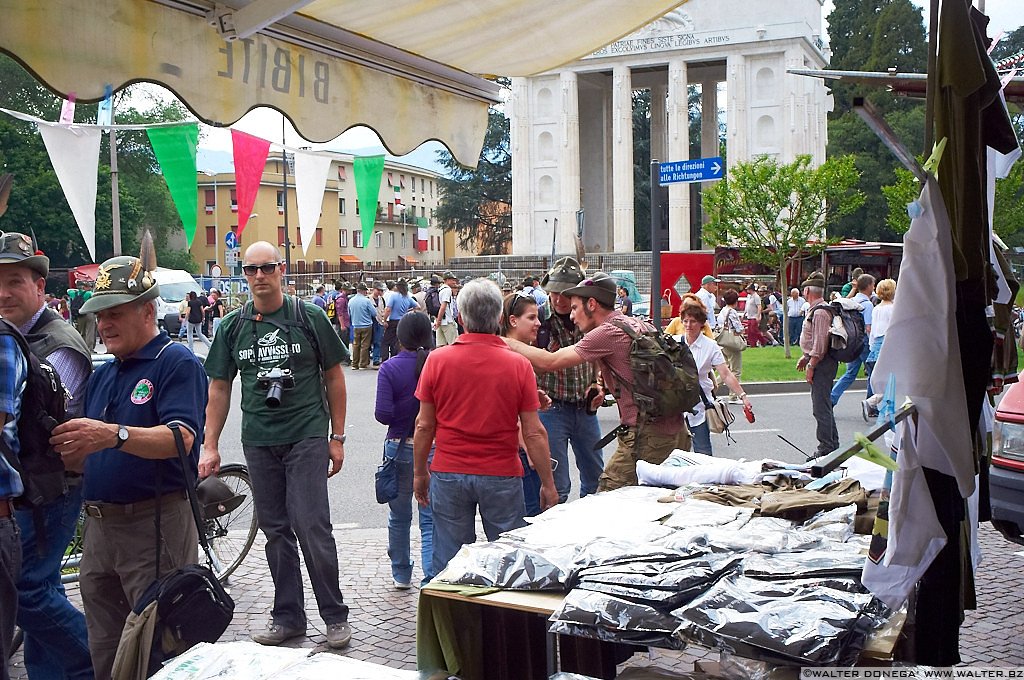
x=216 y=224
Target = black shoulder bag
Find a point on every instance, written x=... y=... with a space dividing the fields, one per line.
x=192 y=605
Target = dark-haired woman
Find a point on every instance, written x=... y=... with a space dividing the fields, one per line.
x=520 y=321
x=397 y=408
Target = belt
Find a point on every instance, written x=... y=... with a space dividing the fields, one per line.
x=402 y=440
x=6 y=507
x=570 y=404
x=101 y=510
x=605 y=440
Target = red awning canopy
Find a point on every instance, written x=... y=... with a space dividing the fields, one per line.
x=349 y=259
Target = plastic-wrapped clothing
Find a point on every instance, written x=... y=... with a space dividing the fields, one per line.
x=829 y=561
x=505 y=564
x=761 y=534
x=605 y=617
x=698 y=513
x=664 y=585
x=801 y=621
x=837 y=525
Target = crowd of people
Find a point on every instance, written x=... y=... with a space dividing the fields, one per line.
x=541 y=358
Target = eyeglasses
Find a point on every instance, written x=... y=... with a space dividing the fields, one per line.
x=268 y=268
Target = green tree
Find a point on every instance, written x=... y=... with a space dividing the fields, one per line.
x=477 y=204
x=642 y=170
x=37 y=200
x=777 y=214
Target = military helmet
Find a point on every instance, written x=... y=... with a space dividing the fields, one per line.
x=216 y=498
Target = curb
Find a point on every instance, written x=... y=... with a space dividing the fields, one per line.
x=784 y=387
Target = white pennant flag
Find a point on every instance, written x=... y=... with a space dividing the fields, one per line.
x=310 y=181
x=75 y=154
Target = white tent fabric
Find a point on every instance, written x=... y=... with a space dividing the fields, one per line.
x=921 y=347
x=75 y=153
x=407 y=69
x=310 y=180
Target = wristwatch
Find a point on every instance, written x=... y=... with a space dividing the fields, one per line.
x=338 y=438
x=122 y=436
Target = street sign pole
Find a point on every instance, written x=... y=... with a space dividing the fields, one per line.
x=655 y=305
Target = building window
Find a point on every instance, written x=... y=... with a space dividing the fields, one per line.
x=280 y=236
x=357 y=206
x=341 y=173
x=210 y=264
x=211 y=236
x=377 y=239
x=341 y=205
x=319 y=236
x=343 y=238
x=402 y=183
x=357 y=238
x=391 y=212
x=211 y=200
x=404 y=241
x=391 y=239
x=431 y=188
x=298 y=238
x=423 y=186
x=280 y=202
x=234 y=201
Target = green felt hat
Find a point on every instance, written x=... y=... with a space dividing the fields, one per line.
x=121 y=280
x=17 y=248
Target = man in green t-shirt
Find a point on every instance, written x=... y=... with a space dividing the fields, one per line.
x=289 y=361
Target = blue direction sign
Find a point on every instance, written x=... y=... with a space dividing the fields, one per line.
x=696 y=170
x=231 y=240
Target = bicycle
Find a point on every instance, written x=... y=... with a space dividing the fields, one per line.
x=230 y=535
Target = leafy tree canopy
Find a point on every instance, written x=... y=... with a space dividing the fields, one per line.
x=37 y=201
x=477 y=204
x=778 y=214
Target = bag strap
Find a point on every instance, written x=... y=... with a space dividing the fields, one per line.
x=190 y=489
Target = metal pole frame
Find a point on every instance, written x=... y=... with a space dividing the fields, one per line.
x=655 y=305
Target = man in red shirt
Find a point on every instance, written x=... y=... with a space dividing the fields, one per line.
x=473 y=396
x=593 y=310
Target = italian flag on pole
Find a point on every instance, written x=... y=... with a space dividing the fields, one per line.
x=398 y=196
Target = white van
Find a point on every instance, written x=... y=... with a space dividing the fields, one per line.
x=175 y=285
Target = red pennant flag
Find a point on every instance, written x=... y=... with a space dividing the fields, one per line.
x=250 y=159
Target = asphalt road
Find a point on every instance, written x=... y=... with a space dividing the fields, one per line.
x=351 y=491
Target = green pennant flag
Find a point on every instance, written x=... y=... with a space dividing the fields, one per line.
x=368 y=170
x=175 y=149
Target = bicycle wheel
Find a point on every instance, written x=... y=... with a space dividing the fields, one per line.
x=73 y=554
x=231 y=536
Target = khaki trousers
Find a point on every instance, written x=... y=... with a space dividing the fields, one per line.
x=119 y=563
x=652 y=447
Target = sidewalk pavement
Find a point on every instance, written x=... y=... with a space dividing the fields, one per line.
x=384 y=619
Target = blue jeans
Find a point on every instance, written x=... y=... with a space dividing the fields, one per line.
x=852 y=369
x=531 y=486
x=289 y=487
x=378 y=340
x=10 y=565
x=701 y=437
x=796 y=324
x=454 y=499
x=400 y=518
x=56 y=643
x=567 y=423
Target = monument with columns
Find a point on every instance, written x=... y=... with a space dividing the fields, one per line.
x=572 y=130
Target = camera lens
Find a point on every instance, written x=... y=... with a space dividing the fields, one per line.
x=274 y=394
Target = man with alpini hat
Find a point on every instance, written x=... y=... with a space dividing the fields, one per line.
x=128 y=451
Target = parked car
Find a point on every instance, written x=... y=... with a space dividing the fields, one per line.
x=1006 y=476
x=175 y=285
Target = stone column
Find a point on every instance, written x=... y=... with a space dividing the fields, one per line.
x=709 y=119
x=794 y=121
x=622 y=160
x=659 y=123
x=737 y=124
x=569 y=163
x=523 y=236
x=678 y=150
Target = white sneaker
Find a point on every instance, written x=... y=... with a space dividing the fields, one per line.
x=402 y=586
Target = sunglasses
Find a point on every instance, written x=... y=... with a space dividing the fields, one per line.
x=519 y=295
x=268 y=268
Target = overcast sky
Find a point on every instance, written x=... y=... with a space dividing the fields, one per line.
x=1006 y=15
